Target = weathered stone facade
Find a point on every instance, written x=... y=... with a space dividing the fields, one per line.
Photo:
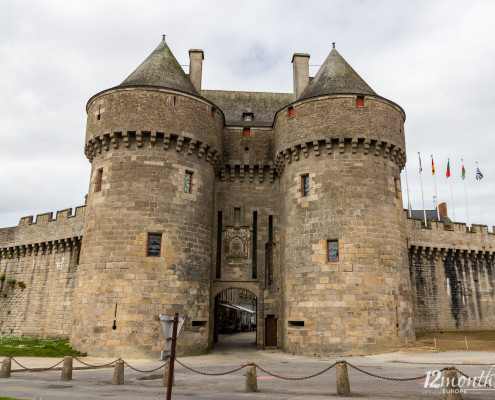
x=250 y=191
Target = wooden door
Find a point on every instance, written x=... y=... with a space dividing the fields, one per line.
x=270 y=331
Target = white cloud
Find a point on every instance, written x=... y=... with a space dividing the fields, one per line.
x=435 y=59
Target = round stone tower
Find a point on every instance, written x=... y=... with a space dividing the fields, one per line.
x=339 y=150
x=154 y=144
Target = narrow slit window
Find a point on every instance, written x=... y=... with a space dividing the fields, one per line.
x=305 y=185
x=154 y=245
x=246 y=132
x=188 y=182
x=98 y=116
x=212 y=112
x=333 y=250
x=174 y=100
x=360 y=101
x=292 y=112
x=99 y=178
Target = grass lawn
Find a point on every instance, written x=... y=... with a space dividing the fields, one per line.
x=9 y=398
x=13 y=346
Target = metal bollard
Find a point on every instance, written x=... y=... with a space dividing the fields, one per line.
x=451 y=385
x=118 y=375
x=251 y=381
x=67 y=369
x=6 y=367
x=343 y=387
x=165 y=375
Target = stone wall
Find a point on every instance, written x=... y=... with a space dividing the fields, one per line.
x=42 y=257
x=453 y=276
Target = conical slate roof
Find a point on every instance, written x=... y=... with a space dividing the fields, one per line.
x=336 y=76
x=162 y=69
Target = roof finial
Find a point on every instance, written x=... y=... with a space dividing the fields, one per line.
x=163 y=37
x=333 y=45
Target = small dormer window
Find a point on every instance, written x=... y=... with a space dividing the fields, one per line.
x=247 y=116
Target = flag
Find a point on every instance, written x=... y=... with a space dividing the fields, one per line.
x=420 y=167
x=479 y=175
x=448 y=169
x=432 y=167
x=463 y=173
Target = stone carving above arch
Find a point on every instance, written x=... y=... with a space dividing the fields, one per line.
x=236 y=242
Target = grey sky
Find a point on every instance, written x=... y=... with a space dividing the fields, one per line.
x=434 y=58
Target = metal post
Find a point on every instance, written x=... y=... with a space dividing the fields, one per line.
x=172 y=357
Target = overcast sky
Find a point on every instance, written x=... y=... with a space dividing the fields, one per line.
x=434 y=58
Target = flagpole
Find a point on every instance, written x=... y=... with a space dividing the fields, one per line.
x=422 y=195
x=408 y=198
x=452 y=194
x=435 y=183
x=481 y=199
x=465 y=192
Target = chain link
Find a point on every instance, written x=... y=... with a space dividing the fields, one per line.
x=143 y=371
x=287 y=378
x=212 y=374
x=474 y=380
x=36 y=369
x=95 y=366
x=385 y=377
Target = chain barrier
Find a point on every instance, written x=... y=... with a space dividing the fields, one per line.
x=143 y=371
x=212 y=374
x=36 y=369
x=287 y=378
x=387 y=378
x=95 y=366
x=474 y=380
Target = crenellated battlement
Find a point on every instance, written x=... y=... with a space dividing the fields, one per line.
x=436 y=238
x=156 y=138
x=263 y=172
x=329 y=146
x=48 y=217
x=44 y=231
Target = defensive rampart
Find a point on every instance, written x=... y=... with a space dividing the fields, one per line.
x=452 y=275
x=38 y=269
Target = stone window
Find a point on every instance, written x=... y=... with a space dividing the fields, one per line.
x=246 y=132
x=98 y=180
x=237 y=216
x=360 y=101
x=247 y=116
x=212 y=111
x=305 y=185
x=154 y=245
x=188 y=182
x=292 y=112
x=98 y=116
x=333 y=250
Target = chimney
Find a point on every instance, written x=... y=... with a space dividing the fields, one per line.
x=196 y=57
x=300 y=62
x=442 y=207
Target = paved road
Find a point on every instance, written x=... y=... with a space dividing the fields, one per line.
x=232 y=352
